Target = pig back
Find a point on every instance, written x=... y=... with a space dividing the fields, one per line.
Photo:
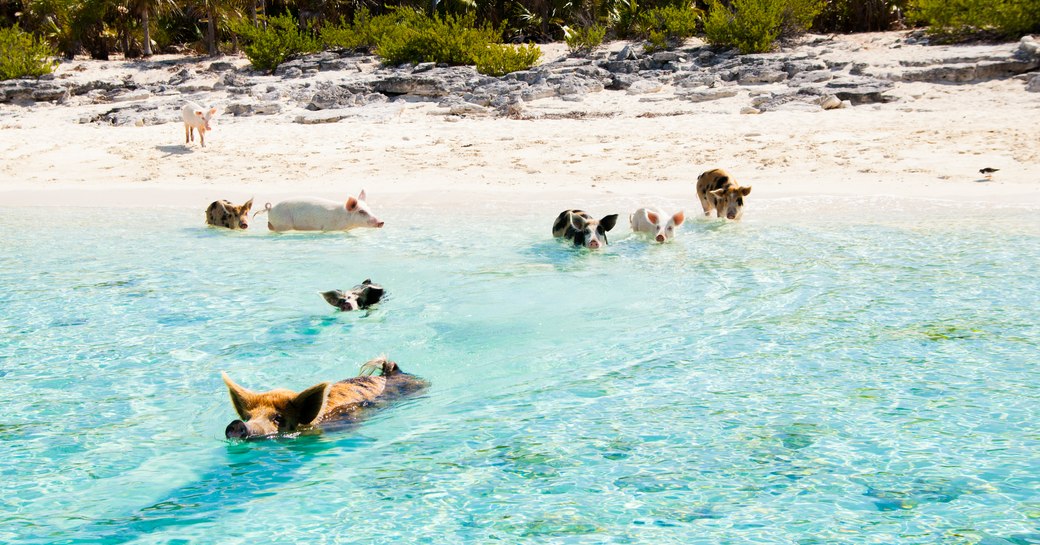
x=309 y=214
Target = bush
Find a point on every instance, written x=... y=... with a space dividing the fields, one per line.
x=22 y=54
x=453 y=39
x=754 y=25
x=669 y=26
x=267 y=47
x=499 y=60
x=860 y=15
x=362 y=33
x=584 y=40
x=1008 y=18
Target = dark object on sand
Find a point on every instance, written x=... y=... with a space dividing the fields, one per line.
x=988 y=172
x=361 y=296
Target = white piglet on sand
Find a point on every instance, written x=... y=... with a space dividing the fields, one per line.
x=314 y=214
x=195 y=117
x=655 y=223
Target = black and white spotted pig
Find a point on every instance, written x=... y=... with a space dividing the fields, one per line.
x=224 y=214
x=578 y=226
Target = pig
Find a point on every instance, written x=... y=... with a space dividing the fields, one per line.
x=582 y=229
x=652 y=221
x=359 y=297
x=196 y=118
x=314 y=214
x=224 y=214
x=718 y=191
x=286 y=413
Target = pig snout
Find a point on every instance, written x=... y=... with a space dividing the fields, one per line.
x=594 y=244
x=236 y=430
x=377 y=223
x=243 y=224
x=659 y=238
x=731 y=215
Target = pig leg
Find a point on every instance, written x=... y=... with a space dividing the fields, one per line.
x=187 y=133
x=705 y=204
x=202 y=136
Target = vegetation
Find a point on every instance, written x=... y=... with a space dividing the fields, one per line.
x=22 y=54
x=268 y=46
x=1003 y=18
x=473 y=31
x=499 y=60
x=753 y=26
x=584 y=40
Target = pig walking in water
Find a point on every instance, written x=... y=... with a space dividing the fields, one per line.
x=314 y=214
x=718 y=191
x=195 y=117
x=283 y=412
x=656 y=224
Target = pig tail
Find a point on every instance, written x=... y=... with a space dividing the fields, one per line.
x=267 y=208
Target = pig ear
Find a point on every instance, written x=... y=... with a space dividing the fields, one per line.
x=361 y=196
x=198 y=113
x=248 y=205
x=718 y=192
x=745 y=191
x=608 y=222
x=652 y=217
x=577 y=223
x=678 y=218
x=351 y=204
x=309 y=403
x=240 y=397
x=212 y=111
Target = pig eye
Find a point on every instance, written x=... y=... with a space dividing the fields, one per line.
x=740 y=201
x=278 y=420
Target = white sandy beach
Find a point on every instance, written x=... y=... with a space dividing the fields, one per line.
x=928 y=144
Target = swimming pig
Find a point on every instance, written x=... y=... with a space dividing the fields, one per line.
x=224 y=214
x=195 y=117
x=580 y=227
x=653 y=222
x=718 y=191
x=361 y=296
x=313 y=214
x=282 y=412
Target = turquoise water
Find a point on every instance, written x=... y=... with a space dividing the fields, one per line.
x=793 y=378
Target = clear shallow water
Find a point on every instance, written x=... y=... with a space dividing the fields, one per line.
x=781 y=380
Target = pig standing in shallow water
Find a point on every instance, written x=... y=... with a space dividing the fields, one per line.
x=313 y=214
x=718 y=191
x=280 y=412
x=652 y=222
x=196 y=118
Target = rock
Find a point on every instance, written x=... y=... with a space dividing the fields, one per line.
x=621 y=67
x=466 y=108
x=662 y=57
x=330 y=98
x=857 y=90
x=620 y=82
x=627 y=53
x=750 y=110
x=814 y=76
x=643 y=87
x=704 y=95
x=126 y=96
x=246 y=109
x=1034 y=85
x=338 y=65
x=427 y=86
x=221 y=66
x=48 y=93
x=846 y=104
x=320 y=118
x=424 y=67
x=830 y=102
x=536 y=92
x=1028 y=47
x=291 y=73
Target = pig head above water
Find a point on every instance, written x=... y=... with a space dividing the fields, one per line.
x=359 y=297
x=284 y=412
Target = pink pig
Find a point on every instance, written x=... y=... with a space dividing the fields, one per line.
x=651 y=221
x=314 y=214
x=196 y=118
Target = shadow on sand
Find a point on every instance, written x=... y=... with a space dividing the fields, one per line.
x=178 y=149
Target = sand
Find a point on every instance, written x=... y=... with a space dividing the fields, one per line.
x=929 y=144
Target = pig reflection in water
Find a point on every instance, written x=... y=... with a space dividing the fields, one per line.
x=314 y=214
x=281 y=412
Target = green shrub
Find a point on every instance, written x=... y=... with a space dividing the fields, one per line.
x=453 y=39
x=267 y=47
x=362 y=33
x=22 y=54
x=499 y=59
x=584 y=40
x=668 y=26
x=1009 y=18
x=860 y=15
x=624 y=18
x=753 y=26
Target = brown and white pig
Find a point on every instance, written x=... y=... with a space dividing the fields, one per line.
x=196 y=118
x=718 y=191
x=224 y=214
x=314 y=214
x=580 y=227
x=284 y=412
x=653 y=222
